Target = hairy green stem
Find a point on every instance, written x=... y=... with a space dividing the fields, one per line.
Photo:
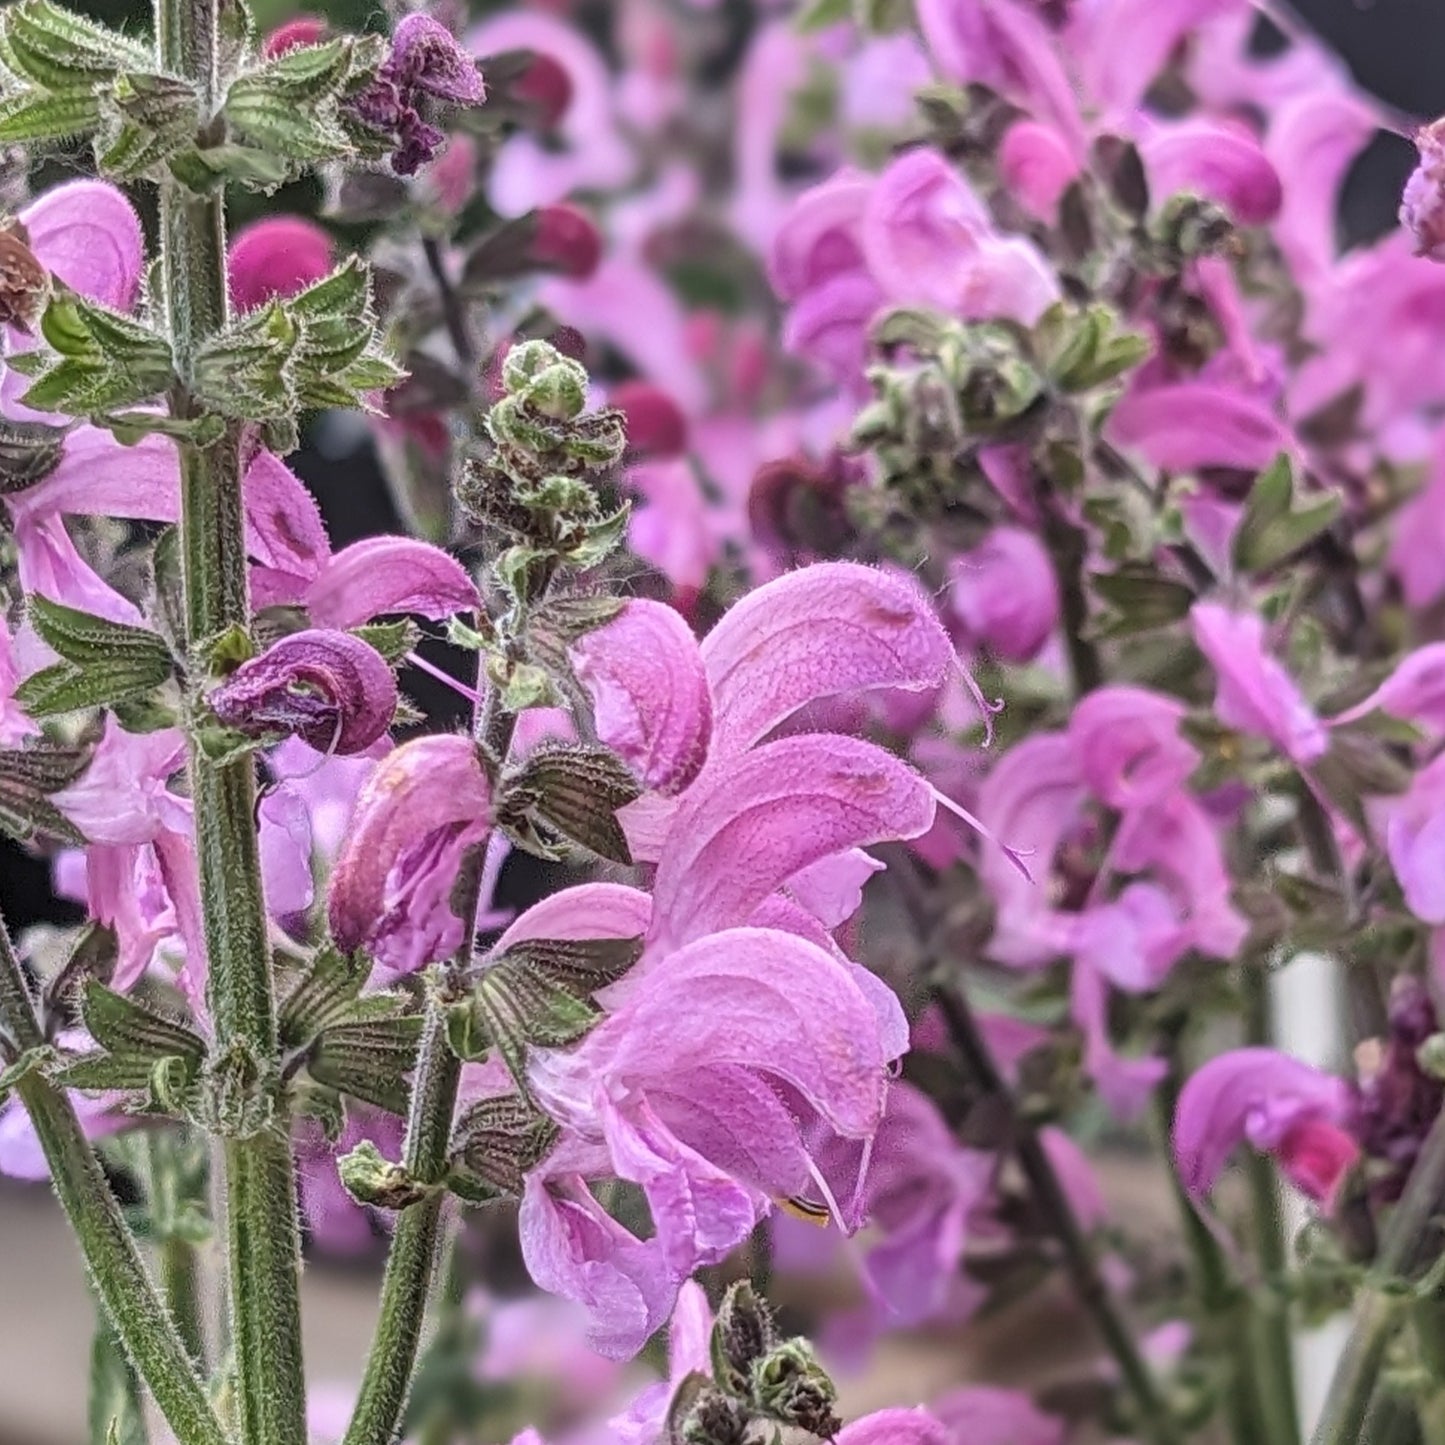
x=411 y=1264
x=1380 y=1315
x=1270 y=1343
x=141 y=1321
x=1156 y=1422
x=264 y=1258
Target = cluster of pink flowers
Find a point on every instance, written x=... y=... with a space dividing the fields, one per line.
x=1201 y=573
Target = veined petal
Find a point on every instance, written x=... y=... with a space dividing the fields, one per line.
x=649 y=692
x=389 y=574
x=755 y=820
x=589 y=910
x=89 y=235
x=832 y=628
x=1186 y=425
x=416 y=793
x=760 y=1000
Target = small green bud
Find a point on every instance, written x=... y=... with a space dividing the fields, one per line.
x=371 y=1179
x=790 y=1385
x=743 y=1334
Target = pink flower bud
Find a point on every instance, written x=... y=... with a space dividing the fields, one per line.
x=329 y=688
x=302 y=30
x=276 y=257
x=1422 y=207
x=656 y=426
x=566 y=240
x=1005 y=594
x=545 y=87
x=423 y=807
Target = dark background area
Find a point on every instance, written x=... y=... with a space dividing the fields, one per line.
x=1396 y=48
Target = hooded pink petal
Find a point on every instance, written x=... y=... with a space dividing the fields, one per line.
x=382 y=575
x=89 y=235
x=427 y=794
x=1255 y=693
x=1254 y=1095
x=757 y=819
x=275 y=258
x=1223 y=163
x=649 y=692
x=896 y=1427
x=836 y=627
x=987 y=1415
x=1005 y=594
x=1130 y=749
x=1183 y=426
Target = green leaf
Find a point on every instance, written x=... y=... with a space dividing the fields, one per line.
x=148 y=119
x=63 y=688
x=574 y=790
x=82 y=637
x=495 y=1144
x=370 y=1060
x=27 y=775
x=134 y=1039
x=1141 y=600
x=54 y=48
x=324 y=996
x=1277 y=522
x=31 y=116
x=582 y=965
x=29 y=452
x=519 y=1006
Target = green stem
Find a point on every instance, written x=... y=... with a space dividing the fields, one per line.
x=1156 y=1421
x=1218 y=1293
x=1270 y=1342
x=1379 y=1315
x=144 y=1326
x=264 y=1257
x=411 y=1264
x=181 y=1283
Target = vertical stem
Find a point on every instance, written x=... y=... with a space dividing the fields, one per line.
x=411 y=1264
x=264 y=1238
x=1270 y=1343
x=146 y=1330
x=1378 y=1315
x=1155 y=1422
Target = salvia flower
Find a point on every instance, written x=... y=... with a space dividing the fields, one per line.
x=1422 y=207
x=1256 y=694
x=329 y=688
x=416 y=816
x=426 y=61
x=1279 y=1106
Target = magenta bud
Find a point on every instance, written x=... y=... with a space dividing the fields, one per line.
x=566 y=240
x=426 y=56
x=276 y=257
x=302 y=30
x=328 y=688
x=545 y=88
x=656 y=426
x=1422 y=207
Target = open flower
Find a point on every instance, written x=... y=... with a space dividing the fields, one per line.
x=1277 y=1105
x=426 y=804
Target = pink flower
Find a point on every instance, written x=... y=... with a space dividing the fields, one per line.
x=1422 y=207
x=649 y=693
x=418 y=813
x=592 y=154
x=1255 y=694
x=1277 y=1105
x=1223 y=163
x=896 y=1427
x=1190 y=425
x=566 y=240
x=986 y=1415
x=276 y=257
x=1005 y=594
x=1038 y=166
x=328 y=687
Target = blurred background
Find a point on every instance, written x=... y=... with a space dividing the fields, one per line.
x=1394 y=48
